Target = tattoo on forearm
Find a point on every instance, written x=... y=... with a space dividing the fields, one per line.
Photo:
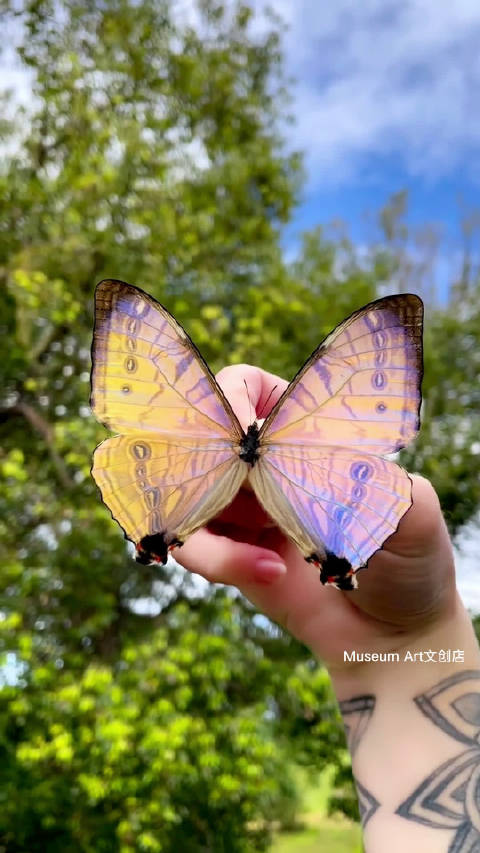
x=367 y=804
x=449 y=798
x=356 y=715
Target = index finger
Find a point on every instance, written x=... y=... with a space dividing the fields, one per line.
x=251 y=391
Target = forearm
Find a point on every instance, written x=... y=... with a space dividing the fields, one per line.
x=413 y=730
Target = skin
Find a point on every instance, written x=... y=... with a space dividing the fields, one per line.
x=406 y=603
x=410 y=582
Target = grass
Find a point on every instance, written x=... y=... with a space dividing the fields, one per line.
x=318 y=831
x=343 y=838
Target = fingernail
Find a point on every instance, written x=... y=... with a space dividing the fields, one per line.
x=267 y=571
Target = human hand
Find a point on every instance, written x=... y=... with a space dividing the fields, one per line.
x=408 y=586
x=406 y=604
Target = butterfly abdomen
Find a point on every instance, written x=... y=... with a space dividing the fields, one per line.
x=249 y=445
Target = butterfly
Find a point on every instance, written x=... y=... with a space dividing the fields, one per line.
x=315 y=464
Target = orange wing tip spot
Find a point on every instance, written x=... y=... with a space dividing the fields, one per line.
x=334 y=571
x=154 y=549
x=345 y=584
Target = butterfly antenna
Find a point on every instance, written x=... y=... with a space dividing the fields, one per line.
x=252 y=412
x=260 y=414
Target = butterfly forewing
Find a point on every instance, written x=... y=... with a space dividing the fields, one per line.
x=357 y=395
x=148 y=375
x=174 y=465
x=361 y=386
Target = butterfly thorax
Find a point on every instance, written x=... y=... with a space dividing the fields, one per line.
x=249 y=445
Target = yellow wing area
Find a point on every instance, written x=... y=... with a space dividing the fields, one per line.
x=175 y=464
x=148 y=375
x=166 y=488
x=361 y=387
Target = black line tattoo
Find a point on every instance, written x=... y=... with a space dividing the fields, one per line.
x=449 y=798
x=367 y=803
x=356 y=715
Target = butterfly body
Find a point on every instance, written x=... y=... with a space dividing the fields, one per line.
x=250 y=445
x=315 y=463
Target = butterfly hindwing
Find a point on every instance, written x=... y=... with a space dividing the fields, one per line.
x=173 y=467
x=163 y=489
x=334 y=503
x=319 y=475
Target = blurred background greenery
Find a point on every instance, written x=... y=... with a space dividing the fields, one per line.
x=142 y=710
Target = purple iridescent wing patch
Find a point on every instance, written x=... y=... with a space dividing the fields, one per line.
x=320 y=473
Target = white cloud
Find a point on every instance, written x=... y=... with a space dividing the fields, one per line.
x=377 y=78
x=384 y=78
x=468 y=569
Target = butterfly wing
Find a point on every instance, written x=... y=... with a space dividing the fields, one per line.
x=319 y=474
x=148 y=375
x=173 y=466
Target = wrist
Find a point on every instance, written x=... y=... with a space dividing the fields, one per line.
x=413 y=728
x=405 y=662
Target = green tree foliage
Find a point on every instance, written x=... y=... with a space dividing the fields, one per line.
x=170 y=748
x=140 y=709
x=447 y=450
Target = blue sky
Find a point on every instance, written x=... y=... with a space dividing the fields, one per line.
x=386 y=98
